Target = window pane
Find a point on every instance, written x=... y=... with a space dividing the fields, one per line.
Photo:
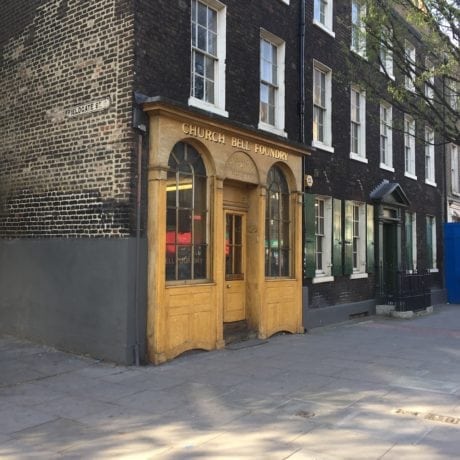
x=184 y=262
x=200 y=258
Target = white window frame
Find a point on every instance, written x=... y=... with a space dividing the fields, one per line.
x=327 y=23
x=432 y=220
x=218 y=107
x=386 y=53
x=360 y=123
x=455 y=167
x=429 y=83
x=430 y=173
x=326 y=142
x=285 y=1
x=324 y=275
x=452 y=93
x=409 y=147
x=280 y=92
x=410 y=58
x=386 y=134
x=358 y=29
x=360 y=248
x=413 y=218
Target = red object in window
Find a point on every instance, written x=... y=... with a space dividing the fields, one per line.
x=171 y=240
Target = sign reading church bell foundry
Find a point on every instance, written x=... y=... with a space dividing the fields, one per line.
x=242 y=144
x=89 y=107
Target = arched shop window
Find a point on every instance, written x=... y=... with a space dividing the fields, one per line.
x=277 y=225
x=186 y=215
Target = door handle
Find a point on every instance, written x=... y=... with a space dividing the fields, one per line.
x=229 y=286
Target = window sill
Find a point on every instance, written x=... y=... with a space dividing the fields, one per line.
x=321 y=146
x=198 y=103
x=322 y=279
x=433 y=270
x=324 y=28
x=431 y=183
x=410 y=176
x=357 y=157
x=455 y=193
x=357 y=276
x=386 y=167
x=188 y=283
x=388 y=75
x=359 y=53
x=271 y=129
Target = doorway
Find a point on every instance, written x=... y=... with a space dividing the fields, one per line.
x=389 y=258
x=235 y=267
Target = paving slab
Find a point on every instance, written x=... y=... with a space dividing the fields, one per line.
x=380 y=388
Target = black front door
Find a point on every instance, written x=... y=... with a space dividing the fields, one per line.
x=390 y=259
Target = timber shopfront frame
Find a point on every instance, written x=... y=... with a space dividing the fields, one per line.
x=224 y=232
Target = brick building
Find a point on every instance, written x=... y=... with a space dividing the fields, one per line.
x=378 y=178
x=152 y=175
x=149 y=195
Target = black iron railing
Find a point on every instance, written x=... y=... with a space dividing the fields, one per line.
x=406 y=290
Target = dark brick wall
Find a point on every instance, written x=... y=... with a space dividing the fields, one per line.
x=163 y=54
x=336 y=175
x=64 y=176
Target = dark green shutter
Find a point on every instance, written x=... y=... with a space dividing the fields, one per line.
x=337 y=265
x=309 y=235
x=370 y=247
x=348 y=240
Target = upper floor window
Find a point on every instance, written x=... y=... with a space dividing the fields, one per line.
x=357 y=124
x=429 y=82
x=429 y=157
x=208 y=56
x=272 y=94
x=386 y=137
x=409 y=71
x=386 y=52
x=358 y=28
x=186 y=215
x=409 y=146
x=277 y=225
x=452 y=93
x=322 y=135
x=455 y=166
x=323 y=15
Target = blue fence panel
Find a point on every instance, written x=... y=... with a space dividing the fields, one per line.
x=452 y=261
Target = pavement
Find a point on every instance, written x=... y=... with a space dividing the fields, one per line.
x=378 y=388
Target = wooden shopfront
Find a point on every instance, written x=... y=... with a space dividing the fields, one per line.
x=224 y=232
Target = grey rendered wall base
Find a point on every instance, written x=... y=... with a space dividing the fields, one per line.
x=335 y=313
x=438 y=296
x=77 y=295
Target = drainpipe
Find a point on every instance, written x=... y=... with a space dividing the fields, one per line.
x=140 y=125
x=138 y=245
x=302 y=72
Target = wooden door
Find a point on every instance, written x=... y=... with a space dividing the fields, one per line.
x=235 y=267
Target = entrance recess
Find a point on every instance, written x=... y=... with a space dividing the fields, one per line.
x=235 y=267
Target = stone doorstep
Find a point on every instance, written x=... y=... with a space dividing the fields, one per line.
x=389 y=310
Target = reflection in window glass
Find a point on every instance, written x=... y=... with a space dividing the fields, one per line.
x=186 y=215
x=277 y=225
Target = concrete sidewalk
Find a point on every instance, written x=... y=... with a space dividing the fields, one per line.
x=374 y=389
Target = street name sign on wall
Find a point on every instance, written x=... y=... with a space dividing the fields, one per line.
x=89 y=107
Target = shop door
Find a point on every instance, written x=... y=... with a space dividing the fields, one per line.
x=235 y=267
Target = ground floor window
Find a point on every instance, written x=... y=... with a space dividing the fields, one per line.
x=277 y=225
x=411 y=241
x=186 y=215
x=431 y=242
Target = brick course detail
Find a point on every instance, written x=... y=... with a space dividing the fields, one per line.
x=61 y=175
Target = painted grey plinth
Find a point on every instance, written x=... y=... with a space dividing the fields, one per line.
x=74 y=294
x=316 y=317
